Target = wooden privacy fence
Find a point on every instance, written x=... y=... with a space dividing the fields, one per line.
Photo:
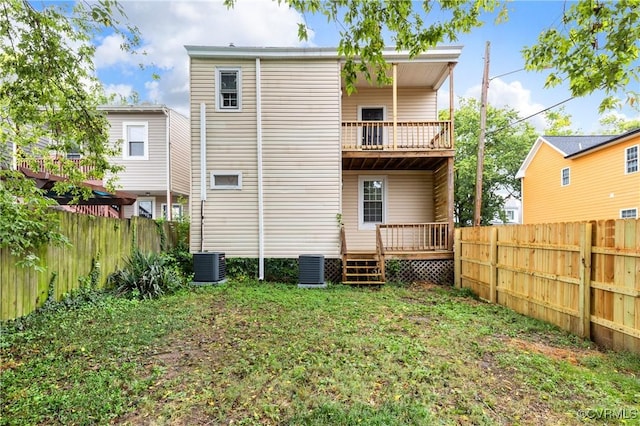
x=583 y=277
x=94 y=241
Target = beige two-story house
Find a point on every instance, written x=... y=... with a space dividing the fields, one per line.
x=286 y=163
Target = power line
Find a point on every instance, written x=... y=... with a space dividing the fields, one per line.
x=530 y=116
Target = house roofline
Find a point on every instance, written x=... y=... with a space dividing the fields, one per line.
x=532 y=153
x=614 y=139
x=434 y=54
x=134 y=108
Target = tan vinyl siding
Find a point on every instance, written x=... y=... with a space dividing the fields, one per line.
x=180 y=153
x=301 y=157
x=142 y=175
x=230 y=216
x=414 y=104
x=409 y=200
x=441 y=194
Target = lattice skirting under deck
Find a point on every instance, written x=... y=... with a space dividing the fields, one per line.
x=434 y=271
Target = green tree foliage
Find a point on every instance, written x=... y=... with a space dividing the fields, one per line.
x=506 y=146
x=366 y=25
x=614 y=125
x=596 y=47
x=558 y=123
x=49 y=95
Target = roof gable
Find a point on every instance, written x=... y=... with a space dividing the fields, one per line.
x=532 y=153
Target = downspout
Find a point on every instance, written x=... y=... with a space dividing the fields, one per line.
x=203 y=169
x=260 y=177
x=395 y=106
x=451 y=165
x=169 y=209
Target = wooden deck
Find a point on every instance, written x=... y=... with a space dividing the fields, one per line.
x=418 y=241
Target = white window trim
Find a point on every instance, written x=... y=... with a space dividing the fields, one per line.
x=219 y=107
x=634 y=209
x=226 y=172
x=626 y=159
x=385 y=130
x=153 y=206
x=362 y=226
x=562 y=176
x=125 y=144
x=163 y=210
x=506 y=214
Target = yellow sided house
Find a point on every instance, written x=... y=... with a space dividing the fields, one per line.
x=579 y=178
x=285 y=163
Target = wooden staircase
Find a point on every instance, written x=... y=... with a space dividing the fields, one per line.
x=362 y=269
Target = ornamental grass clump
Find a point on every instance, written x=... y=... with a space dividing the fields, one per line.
x=146 y=276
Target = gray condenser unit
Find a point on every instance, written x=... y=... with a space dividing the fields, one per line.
x=311 y=270
x=209 y=267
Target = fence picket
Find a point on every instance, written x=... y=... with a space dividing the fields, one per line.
x=583 y=277
x=106 y=240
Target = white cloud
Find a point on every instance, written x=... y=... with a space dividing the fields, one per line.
x=120 y=90
x=512 y=95
x=166 y=27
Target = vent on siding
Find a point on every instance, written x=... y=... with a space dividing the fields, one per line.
x=209 y=267
x=311 y=271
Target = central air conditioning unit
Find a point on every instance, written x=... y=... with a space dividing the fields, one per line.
x=209 y=267
x=311 y=271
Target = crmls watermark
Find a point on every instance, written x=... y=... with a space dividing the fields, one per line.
x=609 y=413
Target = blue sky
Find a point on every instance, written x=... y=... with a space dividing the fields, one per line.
x=166 y=26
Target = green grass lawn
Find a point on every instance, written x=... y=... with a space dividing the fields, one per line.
x=248 y=353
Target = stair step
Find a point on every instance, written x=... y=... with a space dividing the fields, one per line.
x=363 y=275
x=364 y=282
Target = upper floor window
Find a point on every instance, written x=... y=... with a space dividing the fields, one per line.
x=510 y=215
x=629 y=213
x=631 y=159
x=565 y=178
x=135 y=140
x=228 y=92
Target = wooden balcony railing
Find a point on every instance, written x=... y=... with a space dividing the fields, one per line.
x=102 y=211
x=414 y=237
x=44 y=165
x=410 y=135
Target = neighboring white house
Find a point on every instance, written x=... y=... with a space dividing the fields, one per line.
x=512 y=208
x=155 y=147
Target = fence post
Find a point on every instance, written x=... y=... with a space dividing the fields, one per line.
x=493 y=261
x=457 y=256
x=584 y=303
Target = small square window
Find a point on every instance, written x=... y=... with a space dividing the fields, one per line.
x=629 y=213
x=510 y=214
x=631 y=159
x=566 y=176
x=176 y=211
x=226 y=180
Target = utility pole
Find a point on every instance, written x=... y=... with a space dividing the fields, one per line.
x=483 y=124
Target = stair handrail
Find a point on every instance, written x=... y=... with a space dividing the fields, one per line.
x=380 y=253
x=343 y=240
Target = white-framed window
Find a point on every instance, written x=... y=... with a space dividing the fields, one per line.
x=631 y=159
x=145 y=207
x=176 y=210
x=228 y=89
x=510 y=215
x=629 y=213
x=226 y=179
x=565 y=176
x=372 y=201
x=135 y=137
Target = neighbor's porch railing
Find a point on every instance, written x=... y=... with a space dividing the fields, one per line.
x=42 y=166
x=410 y=135
x=402 y=238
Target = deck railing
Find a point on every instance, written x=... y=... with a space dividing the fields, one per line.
x=102 y=211
x=410 y=135
x=44 y=165
x=414 y=237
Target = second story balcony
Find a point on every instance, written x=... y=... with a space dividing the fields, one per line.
x=427 y=136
